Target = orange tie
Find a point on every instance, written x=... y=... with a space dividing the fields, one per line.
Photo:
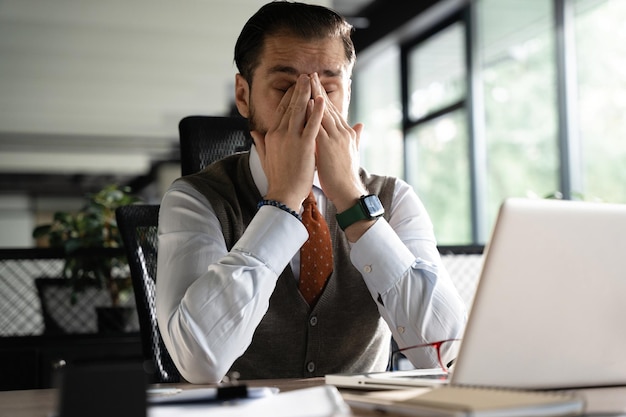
x=316 y=255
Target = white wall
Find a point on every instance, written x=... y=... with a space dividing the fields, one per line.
x=15 y=218
x=124 y=68
x=99 y=87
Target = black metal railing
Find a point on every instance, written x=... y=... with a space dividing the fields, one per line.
x=35 y=301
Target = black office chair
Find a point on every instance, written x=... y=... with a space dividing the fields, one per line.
x=138 y=226
x=205 y=139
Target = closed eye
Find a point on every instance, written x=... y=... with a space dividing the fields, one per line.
x=283 y=86
x=330 y=87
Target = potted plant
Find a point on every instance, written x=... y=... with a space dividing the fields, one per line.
x=92 y=228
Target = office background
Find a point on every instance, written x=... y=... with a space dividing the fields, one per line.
x=92 y=92
x=470 y=102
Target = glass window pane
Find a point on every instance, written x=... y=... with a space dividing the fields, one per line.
x=438 y=169
x=600 y=33
x=518 y=55
x=377 y=104
x=437 y=71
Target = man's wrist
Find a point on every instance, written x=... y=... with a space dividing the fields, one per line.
x=367 y=207
x=348 y=200
x=278 y=204
x=286 y=199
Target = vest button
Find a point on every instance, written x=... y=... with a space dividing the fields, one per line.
x=310 y=366
x=313 y=321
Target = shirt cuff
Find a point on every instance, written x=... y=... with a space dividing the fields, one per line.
x=273 y=236
x=381 y=257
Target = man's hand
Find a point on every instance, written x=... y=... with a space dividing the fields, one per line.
x=337 y=154
x=287 y=151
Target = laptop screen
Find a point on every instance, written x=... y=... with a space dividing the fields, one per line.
x=549 y=307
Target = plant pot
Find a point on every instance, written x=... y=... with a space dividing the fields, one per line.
x=115 y=320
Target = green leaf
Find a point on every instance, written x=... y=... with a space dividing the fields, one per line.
x=41 y=231
x=72 y=245
x=93 y=226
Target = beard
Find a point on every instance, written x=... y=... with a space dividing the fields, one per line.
x=253 y=121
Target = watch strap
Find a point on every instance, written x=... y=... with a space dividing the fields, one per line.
x=357 y=212
x=352 y=215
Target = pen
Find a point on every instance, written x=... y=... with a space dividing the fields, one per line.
x=163 y=391
x=208 y=395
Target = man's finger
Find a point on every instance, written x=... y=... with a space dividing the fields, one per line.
x=296 y=112
x=314 y=121
x=358 y=129
x=282 y=107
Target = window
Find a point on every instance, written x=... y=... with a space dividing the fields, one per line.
x=545 y=79
x=438 y=170
x=436 y=72
x=436 y=139
x=600 y=39
x=519 y=85
x=379 y=105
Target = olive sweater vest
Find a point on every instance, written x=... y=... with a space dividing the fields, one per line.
x=344 y=332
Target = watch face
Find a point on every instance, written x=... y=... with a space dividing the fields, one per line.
x=373 y=206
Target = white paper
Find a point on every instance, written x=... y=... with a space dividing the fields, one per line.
x=322 y=401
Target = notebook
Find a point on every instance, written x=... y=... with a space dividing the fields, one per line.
x=549 y=307
x=459 y=401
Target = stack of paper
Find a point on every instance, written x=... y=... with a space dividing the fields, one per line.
x=322 y=401
x=460 y=401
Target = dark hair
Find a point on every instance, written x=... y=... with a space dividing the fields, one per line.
x=305 y=21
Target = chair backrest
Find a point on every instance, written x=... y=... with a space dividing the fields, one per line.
x=205 y=139
x=138 y=226
x=464 y=264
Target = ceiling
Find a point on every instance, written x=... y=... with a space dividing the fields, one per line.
x=92 y=92
x=349 y=8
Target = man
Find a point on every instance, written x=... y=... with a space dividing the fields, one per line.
x=228 y=296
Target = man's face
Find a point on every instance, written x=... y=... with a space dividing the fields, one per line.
x=283 y=59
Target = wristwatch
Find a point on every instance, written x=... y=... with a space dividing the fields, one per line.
x=367 y=208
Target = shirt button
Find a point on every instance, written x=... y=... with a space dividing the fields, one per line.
x=400 y=329
x=367 y=268
x=313 y=321
x=310 y=366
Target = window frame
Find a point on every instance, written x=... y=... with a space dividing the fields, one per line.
x=569 y=142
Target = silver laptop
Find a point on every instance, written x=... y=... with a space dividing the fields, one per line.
x=550 y=304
